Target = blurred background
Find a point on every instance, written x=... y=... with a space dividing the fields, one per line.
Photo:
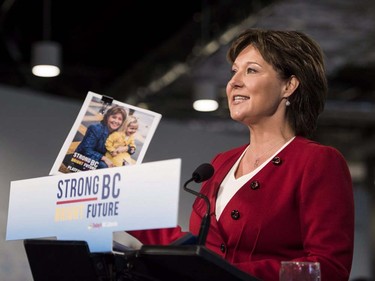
x=161 y=56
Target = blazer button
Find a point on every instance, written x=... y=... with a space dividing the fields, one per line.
x=235 y=214
x=276 y=160
x=254 y=185
x=222 y=248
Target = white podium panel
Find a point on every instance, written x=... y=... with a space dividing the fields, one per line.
x=91 y=205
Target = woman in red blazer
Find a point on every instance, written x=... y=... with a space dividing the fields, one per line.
x=281 y=196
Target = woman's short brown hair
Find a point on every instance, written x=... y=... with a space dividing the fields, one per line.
x=113 y=111
x=291 y=53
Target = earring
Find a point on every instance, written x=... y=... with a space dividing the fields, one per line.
x=287 y=103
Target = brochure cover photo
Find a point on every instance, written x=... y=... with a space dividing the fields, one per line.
x=107 y=133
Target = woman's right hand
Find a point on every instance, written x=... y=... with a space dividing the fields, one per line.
x=123 y=148
x=108 y=162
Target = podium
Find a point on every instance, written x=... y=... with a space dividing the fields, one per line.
x=187 y=263
x=66 y=260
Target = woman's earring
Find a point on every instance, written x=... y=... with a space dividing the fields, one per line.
x=287 y=103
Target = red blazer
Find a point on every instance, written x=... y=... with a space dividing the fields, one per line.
x=300 y=206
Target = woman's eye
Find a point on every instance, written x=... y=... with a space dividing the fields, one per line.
x=250 y=70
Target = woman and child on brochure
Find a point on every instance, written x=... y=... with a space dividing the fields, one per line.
x=111 y=142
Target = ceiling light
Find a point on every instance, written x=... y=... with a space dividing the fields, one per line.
x=46 y=59
x=205 y=105
x=46 y=54
x=205 y=97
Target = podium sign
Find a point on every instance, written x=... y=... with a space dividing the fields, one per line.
x=91 y=205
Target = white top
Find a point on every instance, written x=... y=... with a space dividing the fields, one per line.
x=230 y=185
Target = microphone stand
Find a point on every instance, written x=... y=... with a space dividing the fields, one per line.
x=205 y=224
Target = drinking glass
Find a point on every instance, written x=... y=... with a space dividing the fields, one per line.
x=299 y=271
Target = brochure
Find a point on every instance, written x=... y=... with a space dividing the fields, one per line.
x=100 y=129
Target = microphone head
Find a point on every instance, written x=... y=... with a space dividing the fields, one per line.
x=203 y=172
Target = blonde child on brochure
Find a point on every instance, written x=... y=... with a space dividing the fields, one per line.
x=120 y=145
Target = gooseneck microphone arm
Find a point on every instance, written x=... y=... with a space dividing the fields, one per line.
x=202 y=173
x=205 y=224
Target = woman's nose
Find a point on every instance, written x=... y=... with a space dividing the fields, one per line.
x=235 y=83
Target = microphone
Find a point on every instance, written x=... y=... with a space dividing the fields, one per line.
x=201 y=174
